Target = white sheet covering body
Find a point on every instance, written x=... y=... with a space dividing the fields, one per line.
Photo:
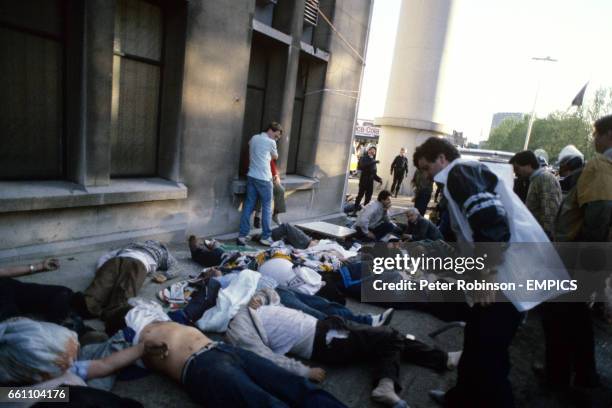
x=238 y=293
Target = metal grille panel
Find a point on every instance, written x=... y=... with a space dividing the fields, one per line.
x=311 y=12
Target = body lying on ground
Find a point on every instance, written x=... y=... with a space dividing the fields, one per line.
x=272 y=330
x=320 y=308
x=213 y=374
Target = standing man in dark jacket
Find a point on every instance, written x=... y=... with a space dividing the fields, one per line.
x=423 y=187
x=568 y=325
x=470 y=187
x=367 y=165
x=399 y=170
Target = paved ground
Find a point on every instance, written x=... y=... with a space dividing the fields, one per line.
x=353 y=384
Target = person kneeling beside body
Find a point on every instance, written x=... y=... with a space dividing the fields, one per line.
x=271 y=330
x=420 y=228
x=373 y=221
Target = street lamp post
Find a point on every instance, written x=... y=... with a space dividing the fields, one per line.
x=535 y=101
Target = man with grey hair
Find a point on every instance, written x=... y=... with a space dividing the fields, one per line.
x=34 y=351
x=420 y=228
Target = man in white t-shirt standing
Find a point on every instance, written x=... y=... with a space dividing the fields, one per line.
x=262 y=149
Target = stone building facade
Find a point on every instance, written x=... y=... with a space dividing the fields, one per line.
x=126 y=119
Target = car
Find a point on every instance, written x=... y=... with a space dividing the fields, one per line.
x=497 y=161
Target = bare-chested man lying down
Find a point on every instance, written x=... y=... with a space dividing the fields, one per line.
x=220 y=375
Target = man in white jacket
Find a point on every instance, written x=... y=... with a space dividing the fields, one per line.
x=484 y=209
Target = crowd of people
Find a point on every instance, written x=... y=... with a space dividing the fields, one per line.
x=283 y=308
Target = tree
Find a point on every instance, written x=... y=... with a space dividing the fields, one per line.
x=555 y=131
x=507 y=136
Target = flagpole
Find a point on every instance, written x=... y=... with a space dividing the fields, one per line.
x=535 y=101
x=532 y=117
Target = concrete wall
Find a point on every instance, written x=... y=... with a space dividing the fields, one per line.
x=213 y=104
x=214 y=93
x=331 y=149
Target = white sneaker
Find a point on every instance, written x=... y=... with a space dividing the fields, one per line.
x=266 y=242
x=383 y=319
x=453 y=359
x=241 y=241
x=177 y=293
x=212 y=243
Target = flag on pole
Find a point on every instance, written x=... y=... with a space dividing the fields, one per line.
x=580 y=96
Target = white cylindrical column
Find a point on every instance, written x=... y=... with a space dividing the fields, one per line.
x=412 y=109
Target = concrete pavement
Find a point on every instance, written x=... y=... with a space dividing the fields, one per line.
x=351 y=384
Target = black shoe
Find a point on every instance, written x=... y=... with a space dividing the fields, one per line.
x=114 y=319
x=256 y=222
x=539 y=371
x=438 y=396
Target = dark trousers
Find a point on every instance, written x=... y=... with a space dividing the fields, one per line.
x=366 y=188
x=570 y=345
x=291 y=235
x=48 y=302
x=482 y=375
x=382 y=346
x=397 y=183
x=201 y=300
x=379 y=232
x=421 y=200
x=228 y=376
x=319 y=307
x=207 y=257
x=384 y=229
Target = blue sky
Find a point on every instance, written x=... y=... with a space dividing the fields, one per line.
x=489 y=53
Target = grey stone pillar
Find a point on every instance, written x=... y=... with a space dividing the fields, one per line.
x=293 y=61
x=99 y=36
x=89 y=68
x=413 y=107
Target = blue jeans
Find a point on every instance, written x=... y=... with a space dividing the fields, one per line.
x=255 y=189
x=319 y=307
x=228 y=376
